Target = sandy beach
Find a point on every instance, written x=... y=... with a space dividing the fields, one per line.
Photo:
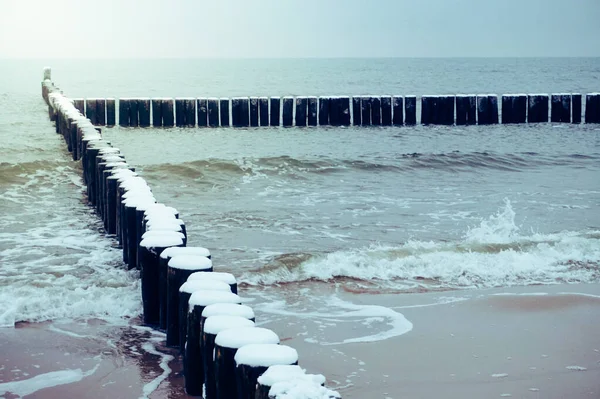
x=523 y=342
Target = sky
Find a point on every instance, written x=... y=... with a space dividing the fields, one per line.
x=298 y=28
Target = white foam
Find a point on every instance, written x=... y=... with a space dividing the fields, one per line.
x=161 y=241
x=265 y=355
x=228 y=309
x=239 y=337
x=205 y=298
x=221 y=276
x=215 y=324
x=164 y=365
x=42 y=381
x=190 y=262
x=193 y=286
x=170 y=252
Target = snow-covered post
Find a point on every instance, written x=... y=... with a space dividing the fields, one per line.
x=386 y=110
x=156 y=112
x=224 y=110
x=263 y=111
x=47 y=73
x=253 y=360
x=254 y=111
x=335 y=111
x=514 y=108
x=144 y=112
x=375 y=111
x=410 y=110
x=301 y=111
x=226 y=278
x=213 y=325
x=150 y=249
x=576 y=108
x=345 y=115
x=398 y=110
x=537 y=108
x=110 y=112
x=240 y=112
x=193 y=363
x=275 y=114
x=560 y=111
x=124 y=112
x=356 y=111
x=487 y=109
x=313 y=111
x=178 y=269
x=466 y=109
x=185 y=293
x=168 y=116
x=592 y=108
x=287 y=118
x=189 y=107
x=365 y=110
x=227 y=343
x=213 y=112
x=290 y=382
x=324 y=105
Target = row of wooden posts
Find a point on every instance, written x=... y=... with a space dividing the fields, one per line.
x=198 y=308
x=341 y=111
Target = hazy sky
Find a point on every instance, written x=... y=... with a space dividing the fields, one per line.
x=298 y=28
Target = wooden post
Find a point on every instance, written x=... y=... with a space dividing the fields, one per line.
x=90 y=110
x=375 y=111
x=427 y=109
x=345 y=116
x=301 y=111
x=356 y=112
x=224 y=111
x=240 y=112
x=335 y=111
x=254 y=111
x=189 y=117
x=537 y=108
x=179 y=112
x=110 y=112
x=365 y=110
x=202 y=112
x=398 y=110
x=576 y=101
x=100 y=112
x=124 y=112
x=514 y=108
x=324 y=104
x=592 y=108
x=263 y=105
x=313 y=111
x=386 y=110
x=275 y=115
x=167 y=112
x=561 y=108
x=288 y=111
x=144 y=112
x=410 y=110
x=156 y=112
x=134 y=113
x=466 y=109
x=79 y=104
x=446 y=110
x=213 y=112
x=487 y=109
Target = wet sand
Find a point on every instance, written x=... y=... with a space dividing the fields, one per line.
x=510 y=342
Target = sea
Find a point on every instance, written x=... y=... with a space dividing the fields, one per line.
x=402 y=210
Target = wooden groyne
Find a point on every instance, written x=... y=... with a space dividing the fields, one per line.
x=198 y=308
x=303 y=111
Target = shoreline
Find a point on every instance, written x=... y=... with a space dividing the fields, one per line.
x=531 y=342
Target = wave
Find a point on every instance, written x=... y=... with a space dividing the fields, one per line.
x=13 y=173
x=450 y=162
x=492 y=254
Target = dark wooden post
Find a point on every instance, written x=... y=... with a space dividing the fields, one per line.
x=345 y=117
x=213 y=112
x=263 y=111
x=487 y=109
x=445 y=110
x=110 y=112
x=288 y=111
x=561 y=108
x=100 y=112
x=179 y=112
x=356 y=112
x=301 y=111
x=224 y=108
x=90 y=110
x=410 y=110
x=427 y=109
x=79 y=104
x=398 y=110
x=134 y=112
x=189 y=117
x=592 y=108
x=365 y=110
x=202 y=112
x=275 y=115
x=124 y=112
x=254 y=111
x=144 y=112
x=386 y=110
x=167 y=112
x=156 y=112
x=537 y=108
x=324 y=104
x=375 y=111
x=576 y=101
x=466 y=109
x=240 y=112
x=313 y=111
x=335 y=111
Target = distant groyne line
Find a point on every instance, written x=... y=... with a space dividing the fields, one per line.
x=305 y=111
